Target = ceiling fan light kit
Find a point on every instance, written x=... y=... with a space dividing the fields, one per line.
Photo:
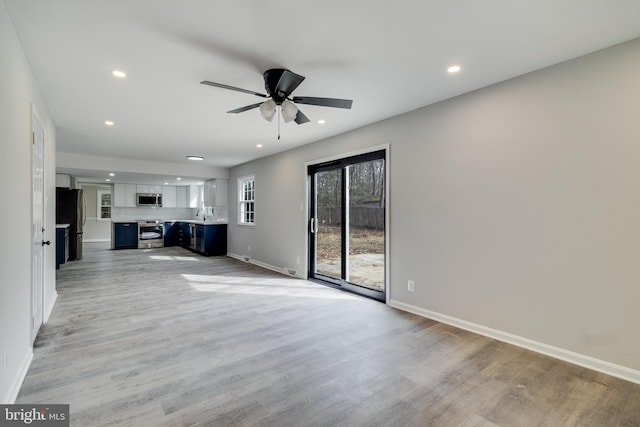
x=279 y=83
x=268 y=110
x=289 y=111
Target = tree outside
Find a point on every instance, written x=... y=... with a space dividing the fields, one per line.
x=366 y=223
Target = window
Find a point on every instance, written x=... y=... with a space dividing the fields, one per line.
x=246 y=200
x=104 y=204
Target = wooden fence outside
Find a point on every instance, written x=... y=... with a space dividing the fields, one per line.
x=363 y=217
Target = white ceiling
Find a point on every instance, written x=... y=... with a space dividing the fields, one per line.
x=389 y=57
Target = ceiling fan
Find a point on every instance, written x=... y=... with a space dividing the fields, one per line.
x=279 y=83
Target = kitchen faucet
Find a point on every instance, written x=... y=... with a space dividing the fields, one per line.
x=203 y=214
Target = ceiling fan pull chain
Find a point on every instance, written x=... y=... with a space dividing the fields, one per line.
x=278 y=123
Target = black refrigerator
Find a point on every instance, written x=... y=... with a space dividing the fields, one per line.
x=70 y=210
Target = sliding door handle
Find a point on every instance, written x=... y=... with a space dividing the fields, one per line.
x=313 y=225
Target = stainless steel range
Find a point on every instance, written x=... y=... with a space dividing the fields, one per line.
x=150 y=233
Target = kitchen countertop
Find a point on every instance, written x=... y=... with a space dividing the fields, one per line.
x=195 y=221
x=190 y=221
x=62 y=225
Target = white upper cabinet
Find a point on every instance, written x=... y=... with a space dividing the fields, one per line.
x=215 y=192
x=131 y=200
x=222 y=192
x=63 y=180
x=169 y=196
x=124 y=195
x=119 y=195
x=209 y=192
x=181 y=197
x=195 y=196
x=145 y=188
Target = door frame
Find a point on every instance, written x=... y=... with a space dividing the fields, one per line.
x=387 y=231
x=37 y=300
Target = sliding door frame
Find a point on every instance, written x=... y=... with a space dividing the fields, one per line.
x=333 y=163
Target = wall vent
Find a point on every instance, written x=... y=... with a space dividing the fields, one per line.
x=289 y=271
x=246 y=258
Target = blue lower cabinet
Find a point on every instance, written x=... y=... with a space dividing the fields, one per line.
x=207 y=239
x=171 y=233
x=124 y=235
x=215 y=239
x=62 y=245
x=199 y=239
x=184 y=234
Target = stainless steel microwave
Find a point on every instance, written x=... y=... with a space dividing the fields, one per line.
x=149 y=199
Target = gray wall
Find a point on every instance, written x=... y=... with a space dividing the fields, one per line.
x=515 y=208
x=19 y=91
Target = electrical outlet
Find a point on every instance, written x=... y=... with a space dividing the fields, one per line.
x=5 y=360
x=411 y=285
x=298 y=260
x=249 y=248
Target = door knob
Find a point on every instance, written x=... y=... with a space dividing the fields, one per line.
x=48 y=242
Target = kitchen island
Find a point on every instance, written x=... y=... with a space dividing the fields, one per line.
x=203 y=237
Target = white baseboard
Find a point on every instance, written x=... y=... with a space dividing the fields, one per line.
x=280 y=270
x=95 y=240
x=49 y=308
x=589 y=362
x=236 y=256
x=14 y=388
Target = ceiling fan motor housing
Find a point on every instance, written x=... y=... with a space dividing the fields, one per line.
x=280 y=83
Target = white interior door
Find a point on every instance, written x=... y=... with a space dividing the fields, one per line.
x=37 y=234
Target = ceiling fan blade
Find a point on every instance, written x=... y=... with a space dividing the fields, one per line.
x=323 y=102
x=288 y=82
x=237 y=89
x=301 y=118
x=280 y=82
x=247 y=108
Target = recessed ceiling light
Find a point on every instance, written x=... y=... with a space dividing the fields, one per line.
x=108 y=180
x=112 y=174
x=322 y=121
x=454 y=69
x=166 y=183
x=259 y=145
x=109 y=123
x=119 y=74
x=178 y=179
x=195 y=157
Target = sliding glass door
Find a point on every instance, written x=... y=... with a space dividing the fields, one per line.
x=326 y=223
x=347 y=224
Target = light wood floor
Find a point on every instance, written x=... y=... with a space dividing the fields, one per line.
x=163 y=337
